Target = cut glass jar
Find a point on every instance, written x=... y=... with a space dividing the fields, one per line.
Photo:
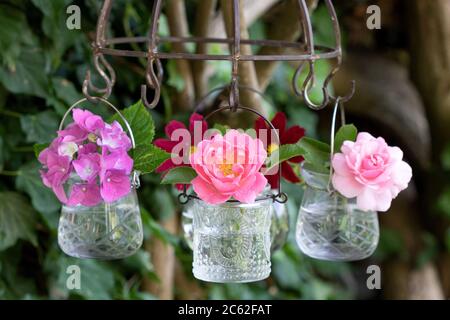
x=330 y=226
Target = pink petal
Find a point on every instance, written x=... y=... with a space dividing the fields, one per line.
x=347 y=185
x=401 y=175
x=165 y=144
x=340 y=165
x=249 y=192
x=115 y=186
x=207 y=193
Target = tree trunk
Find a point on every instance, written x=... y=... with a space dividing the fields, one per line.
x=430 y=68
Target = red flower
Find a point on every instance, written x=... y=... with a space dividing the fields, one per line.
x=287 y=136
x=168 y=144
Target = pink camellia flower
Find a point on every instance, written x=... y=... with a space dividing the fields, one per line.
x=58 y=171
x=115 y=185
x=87 y=120
x=87 y=166
x=113 y=137
x=87 y=195
x=73 y=133
x=371 y=171
x=228 y=166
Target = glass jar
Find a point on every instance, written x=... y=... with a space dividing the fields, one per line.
x=279 y=227
x=330 y=226
x=187 y=217
x=231 y=241
x=107 y=231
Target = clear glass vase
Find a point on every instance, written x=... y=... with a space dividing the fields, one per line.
x=279 y=227
x=330 y=226
x=107 y=231
x=231 y=241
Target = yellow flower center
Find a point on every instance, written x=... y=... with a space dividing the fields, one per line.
x=272 y=148
x=192 y=149
x=227 y=169
x=92 y=137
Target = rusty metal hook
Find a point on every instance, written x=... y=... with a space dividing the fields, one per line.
x=109 y=79
x=153 y=81
x=308 y=84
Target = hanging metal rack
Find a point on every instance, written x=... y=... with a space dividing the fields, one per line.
x=308 y=54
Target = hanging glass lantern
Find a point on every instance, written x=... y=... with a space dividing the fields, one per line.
x=330 y=226
x=279 y=227
x=232 y=241
x=105 y=230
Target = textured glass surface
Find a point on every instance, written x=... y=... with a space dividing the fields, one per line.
x=231 y=241
x=106 y=231
x=279 y=228
x=330 y=227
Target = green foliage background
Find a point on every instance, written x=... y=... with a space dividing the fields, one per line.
x=42 y=66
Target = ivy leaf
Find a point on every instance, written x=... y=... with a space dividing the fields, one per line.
x=42 y=198
x=97 y=278
x=40 y=127
x=17 y=219
x=345 y=133
x=183 y=175
x=146 y=156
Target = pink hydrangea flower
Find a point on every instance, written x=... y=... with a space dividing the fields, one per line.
x=87 y=195
x=113 y=137
x=115 y=185
x=73 y=133
x=87 y=120
x=87 y=166
x=68 y=149
x=87 y=148
x=371 y=171
x=58 y=171
x=117 y=161
x=228 y=166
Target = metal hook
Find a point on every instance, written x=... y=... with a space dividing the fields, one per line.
x=308 y=85
x=153 y=81
x=99 y=61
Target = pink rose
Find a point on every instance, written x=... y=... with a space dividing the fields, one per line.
x=228 y=166
x=371 y=171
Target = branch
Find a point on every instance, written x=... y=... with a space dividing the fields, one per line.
x=283 y=24
x=178 y=26
x=247 y=72
x=205 y=12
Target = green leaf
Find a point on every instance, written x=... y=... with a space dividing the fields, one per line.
x=146 y=156
x=317 y=154
x=163 y=206
x=175 y=79
x=345 y=133
x=147 y=159
x=27 y=74
x=157 y=230
x=97 y=279
x=183 y=175
x=17 y=220
x=39 y=147
x=42 y=198
x=40 y=127
x=222 y=128
x=284 y=153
